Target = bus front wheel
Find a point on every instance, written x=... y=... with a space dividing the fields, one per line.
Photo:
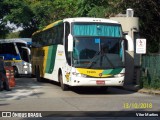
x=63 y=86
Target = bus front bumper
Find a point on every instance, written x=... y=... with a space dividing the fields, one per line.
x=79 y=81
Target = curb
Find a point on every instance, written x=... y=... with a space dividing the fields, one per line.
x=149 y=91
x=141 y=90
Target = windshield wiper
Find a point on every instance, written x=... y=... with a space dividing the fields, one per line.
x=93 y=62
x=101 y=59
x=108 y=60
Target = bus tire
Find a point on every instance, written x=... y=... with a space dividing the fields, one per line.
x=16 y=73
x=38 y=75
x=63 y=86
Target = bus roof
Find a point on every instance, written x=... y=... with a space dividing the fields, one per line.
x=89 y=19
x=78 y=19
x=49 y=26
x=19 y=40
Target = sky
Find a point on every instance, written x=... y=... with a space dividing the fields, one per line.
x=14 y=27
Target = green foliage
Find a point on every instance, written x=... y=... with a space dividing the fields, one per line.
x=97 y=11
x=3 y=11
x=150 y=74
x=146 y=82
x=12 y=35
x=19 y=13
x=35 y=14
x=92 y=8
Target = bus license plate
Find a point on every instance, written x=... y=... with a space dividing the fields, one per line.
x=100 y=82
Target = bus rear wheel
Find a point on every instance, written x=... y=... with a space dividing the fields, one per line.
x=63 y=86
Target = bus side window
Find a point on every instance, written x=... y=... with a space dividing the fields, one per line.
x=53 y=37
x=25 y=56
x=60 y=30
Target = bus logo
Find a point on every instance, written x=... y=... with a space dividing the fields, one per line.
x=6 y=114
x=100 y=74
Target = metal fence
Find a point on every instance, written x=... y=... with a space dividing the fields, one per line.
x=151 y=70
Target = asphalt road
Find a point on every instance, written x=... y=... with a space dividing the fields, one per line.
x=30 y=95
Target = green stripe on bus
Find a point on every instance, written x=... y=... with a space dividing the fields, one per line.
x=51 y=58
x=116 y=71
x=112 y=71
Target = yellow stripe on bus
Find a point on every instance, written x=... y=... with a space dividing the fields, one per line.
x=47 y=27
x=92 y=72
x=51 y=25
x=12 y=60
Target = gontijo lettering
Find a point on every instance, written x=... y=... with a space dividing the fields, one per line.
x=91 y=71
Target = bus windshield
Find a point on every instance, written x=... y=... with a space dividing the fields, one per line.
x=8 y=51
x=23 y=53
x=97 y=46
x=93 y=52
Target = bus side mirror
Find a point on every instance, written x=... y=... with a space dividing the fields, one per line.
x=70 y=43
x=130 y=43
x=28 y=50
x=124 y=34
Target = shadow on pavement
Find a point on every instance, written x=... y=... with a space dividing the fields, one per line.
x=93 y=90
x=24 y=88
x=30 y=88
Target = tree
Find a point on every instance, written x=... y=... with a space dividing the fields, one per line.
x=35 y=14
x=19 y=13
x=3 y=29
x=91 y=8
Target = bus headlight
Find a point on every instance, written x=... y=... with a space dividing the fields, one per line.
x=25 y=66
x=79 y=74
x=119 y=75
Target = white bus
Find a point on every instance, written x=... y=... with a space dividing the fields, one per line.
x=80 y=52
x=16 y=53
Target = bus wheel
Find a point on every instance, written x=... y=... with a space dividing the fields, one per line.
x=16 y=74
x=38 y=75
x=63 y=86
